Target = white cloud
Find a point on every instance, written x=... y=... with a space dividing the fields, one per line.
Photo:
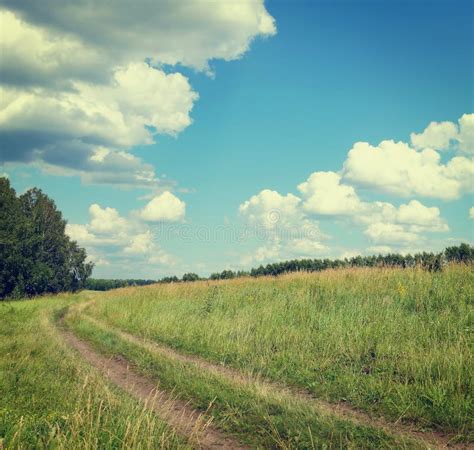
x=162 y=258
x=437 y=135
x=447 y=135
x=270 y=209
x=390 y=233
x=97 y=259
x=140 y=243
x=421 y=217
x=397 y=168
x=380 y=249
x=106 y=220
x=89 y=128
x=164 y=207
x=466 y=133
x=471 y=213
x=47 y=59
x=305 y=247
x=286 y=228
x=80 y=233
x=119 y=237
x=324 y=194
x=78 y=96
x=190 y=33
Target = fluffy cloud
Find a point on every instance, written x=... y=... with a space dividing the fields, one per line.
x=105 y=228
x=471 y=213
x=286 y=228
x=120 y=235
x=106 y=220
x=420 y=217
x=164 y=207
x=324 y=194
x=397 y=168
x=81 y=234
x=89 y=128
x=436 y=135
x=190 y=33
x=380 y=249
x=446 y=135
x=270 y=209
x=390 y=233
x=466 y=133
x=294 y=234
x=78 y=96
x=140 y=243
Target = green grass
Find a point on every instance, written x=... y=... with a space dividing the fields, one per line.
x=395 y=343
x=49 y=398
x=390 y=342
x=258 y=417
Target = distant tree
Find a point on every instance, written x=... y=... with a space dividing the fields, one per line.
x=97 y=284
x=190 y=277
x=463 y=253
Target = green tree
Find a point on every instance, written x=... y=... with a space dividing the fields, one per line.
x=190 y=277
x=36 y=254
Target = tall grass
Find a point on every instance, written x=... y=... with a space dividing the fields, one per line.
x=50 y=399
x=256 y=415
x=391 y=342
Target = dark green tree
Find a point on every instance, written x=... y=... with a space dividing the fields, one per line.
x=190 y=277
x=36 y=254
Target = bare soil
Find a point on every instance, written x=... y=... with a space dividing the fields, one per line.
x=188 y=422
x=431 y=439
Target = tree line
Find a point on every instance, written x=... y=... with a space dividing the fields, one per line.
x=433 y=262
x=104 y=284
x=36 y=255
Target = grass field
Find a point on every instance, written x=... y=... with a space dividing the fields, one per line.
x=391 y=346
x=52 y=399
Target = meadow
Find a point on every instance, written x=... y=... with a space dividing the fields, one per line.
x=350 y=358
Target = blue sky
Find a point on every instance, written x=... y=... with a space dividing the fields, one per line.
x=290 y=100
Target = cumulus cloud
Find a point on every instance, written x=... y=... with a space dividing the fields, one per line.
x=295 y=234
x=421 y=217
x=390 y=233
x=287 y=229
x=191 y=32
x=447 y=135
x=379 y=249
x=397 y=168
x=165 y=207
x=324 y=194
x=121 y=236
x=140 y=243
x=106 y=227
x=82 y=83
x=270 y=209
x=466 y=133
x=89 y=129
x=437 y=135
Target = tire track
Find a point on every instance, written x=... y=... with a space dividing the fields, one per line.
x=431 y=439
x=187 y=421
